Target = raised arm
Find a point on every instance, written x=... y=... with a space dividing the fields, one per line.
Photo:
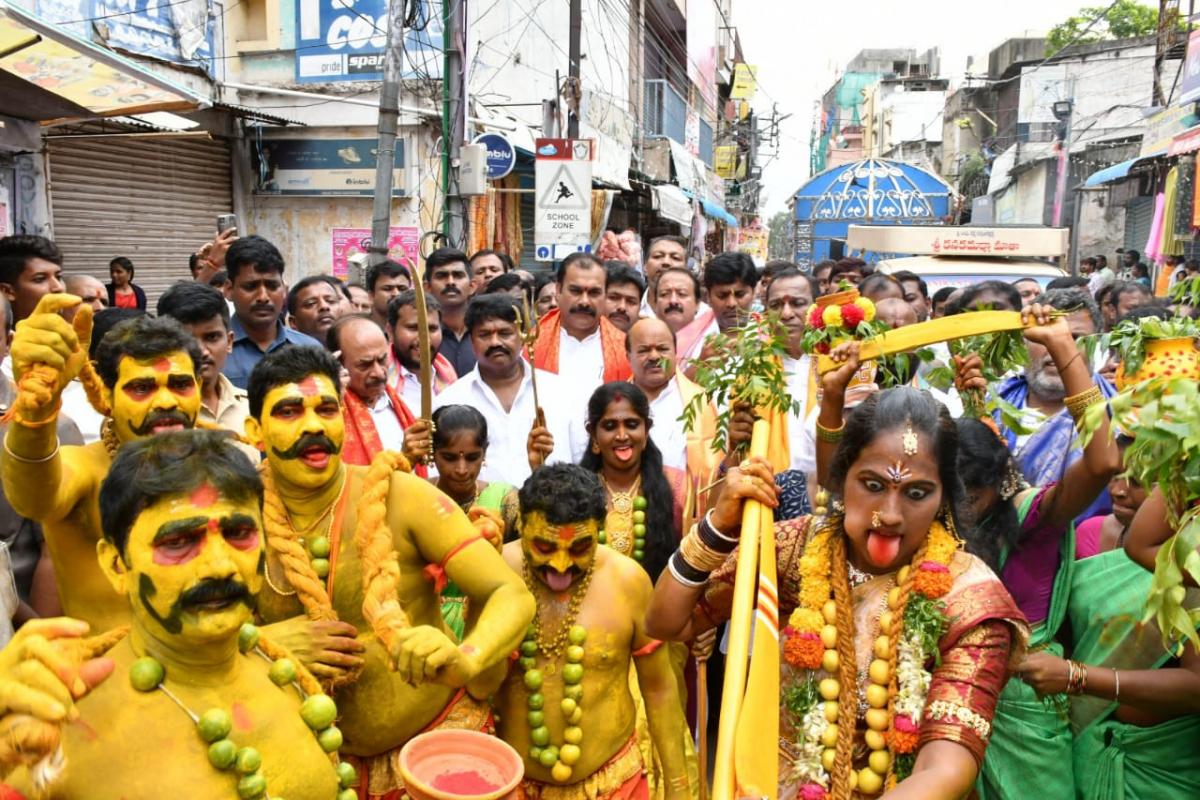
x=705 y=548
x=1150 y=528
x=830 y=420
x=48 y=353
x=1084 y=480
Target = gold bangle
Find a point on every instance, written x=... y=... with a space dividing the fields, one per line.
x=8 y=451
x=1078 y=404
x=698 y=555
x=830 y=435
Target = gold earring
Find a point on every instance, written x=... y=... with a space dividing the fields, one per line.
x=876 y=519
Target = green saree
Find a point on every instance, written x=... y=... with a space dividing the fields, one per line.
x=1029 y=754
x=454 y=602
x=1114 y=760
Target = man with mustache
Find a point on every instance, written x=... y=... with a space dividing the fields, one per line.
x=566 y=705
x=258 y=292
x=664 y=252
x=448 y=280
x=521 y=436
x=313 y=304
x=1045 y=454
x=183 y=552
x=623 y=295
x=356 y=561
x=148 y=383
x=677 y=298
x=203 y=312
x=404 y=363
x=576 y=341
x=376 y=417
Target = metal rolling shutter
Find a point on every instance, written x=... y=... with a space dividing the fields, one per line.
x=1139 y=213
x=153 y=200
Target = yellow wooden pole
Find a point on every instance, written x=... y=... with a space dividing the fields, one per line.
x=741 y=620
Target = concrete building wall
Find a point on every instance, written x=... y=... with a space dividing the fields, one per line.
x=1101 y=222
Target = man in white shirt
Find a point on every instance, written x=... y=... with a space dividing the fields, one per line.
x=404 y=364
x=501 y=388
x=664 y=252
x=376 y=418
x=789 y=296
x=576 y=341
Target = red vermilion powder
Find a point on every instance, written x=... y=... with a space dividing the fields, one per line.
x=468 y=783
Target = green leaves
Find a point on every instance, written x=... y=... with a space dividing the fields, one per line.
x=746 y=367
x=1186 y=292
x=800 y=697
x=927 y=619
x=1129 y=337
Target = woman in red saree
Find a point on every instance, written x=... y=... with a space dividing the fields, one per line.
x=897 y=642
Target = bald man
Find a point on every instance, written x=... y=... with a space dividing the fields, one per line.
x=88 y=289
x=650 y=345
x=895 y=312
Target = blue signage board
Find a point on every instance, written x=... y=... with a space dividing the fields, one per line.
x=179 y=32
x=321 y=167
x=501 y=155
x=344 y=40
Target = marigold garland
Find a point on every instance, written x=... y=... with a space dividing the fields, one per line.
x=898 y=681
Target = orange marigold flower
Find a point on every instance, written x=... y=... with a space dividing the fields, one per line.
x=903 y=741
x=932 y=583
x=803 y=650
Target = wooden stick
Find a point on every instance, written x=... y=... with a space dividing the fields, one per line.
x=425 y=372
x=702 y=724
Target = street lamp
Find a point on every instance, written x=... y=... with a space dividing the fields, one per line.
x=1062 y=112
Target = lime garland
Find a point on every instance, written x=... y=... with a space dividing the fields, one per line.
x=214 y=725
x=895 y=698
x=560 y=759
x=635 y=507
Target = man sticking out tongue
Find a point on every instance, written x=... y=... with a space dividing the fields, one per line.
x=566 y=704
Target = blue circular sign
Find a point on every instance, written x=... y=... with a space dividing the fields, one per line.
x=501 y=155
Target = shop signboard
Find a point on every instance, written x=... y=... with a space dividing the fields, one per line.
x=1161 y=129
x=745 y=82
x=1189 y=88
x=322 y=167
x=563 y=191
x=179 y=32
x=344 y=40
x=349 y=242
x=501 y=155
x=947 y=241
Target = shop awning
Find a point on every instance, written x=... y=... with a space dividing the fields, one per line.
x=47 y=73
x=672 y=204
x=1117 y=171
x=713 y=210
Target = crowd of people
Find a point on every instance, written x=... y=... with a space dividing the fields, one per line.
x=231 y=499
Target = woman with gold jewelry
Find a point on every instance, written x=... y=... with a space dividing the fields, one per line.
x=1027 y=535
x=645 y=498
x=897 y=642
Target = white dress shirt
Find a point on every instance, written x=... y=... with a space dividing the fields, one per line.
x=387 y=424
x=798 y=371
x=506 y=459
x=410 y=389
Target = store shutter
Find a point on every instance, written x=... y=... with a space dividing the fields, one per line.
x=152 y=200
x=1139 y=213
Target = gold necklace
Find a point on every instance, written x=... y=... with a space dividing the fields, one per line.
x=328 y=509
x=108 y=435
x=561 y=639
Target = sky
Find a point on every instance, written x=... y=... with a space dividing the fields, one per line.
x=799 y=60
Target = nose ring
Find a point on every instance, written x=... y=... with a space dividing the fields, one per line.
x=876 y=519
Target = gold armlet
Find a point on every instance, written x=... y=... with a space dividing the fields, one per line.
x=830 y=435
x=1078 y=404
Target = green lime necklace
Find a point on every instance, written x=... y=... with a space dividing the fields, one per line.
x=560 y=759
x=318 y=711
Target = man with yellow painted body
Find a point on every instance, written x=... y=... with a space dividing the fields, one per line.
x=356 y=558
x=147 y=372
x=566 y=705
x=183 y=550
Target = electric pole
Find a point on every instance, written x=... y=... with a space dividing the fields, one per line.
x=574 y=57
x=454 y=119
x=389 y=115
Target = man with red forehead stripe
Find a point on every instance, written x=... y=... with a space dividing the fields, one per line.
x=566 y=705
x=356 y=561
x=147 y=372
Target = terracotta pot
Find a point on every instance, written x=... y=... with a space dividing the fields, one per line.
x=453 y=765
x=837 y=298
x=1165 y=358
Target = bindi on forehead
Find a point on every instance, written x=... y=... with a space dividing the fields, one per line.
x=162 y=364
x=566 y=533
x=205 y=495
x=308 y=386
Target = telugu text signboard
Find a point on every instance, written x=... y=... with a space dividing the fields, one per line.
x=344 y=40
x=563 y=187
x=348 y=242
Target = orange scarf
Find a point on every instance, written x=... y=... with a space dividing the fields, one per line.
x=362 y=440
x=441 y=369
x=612 y=345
